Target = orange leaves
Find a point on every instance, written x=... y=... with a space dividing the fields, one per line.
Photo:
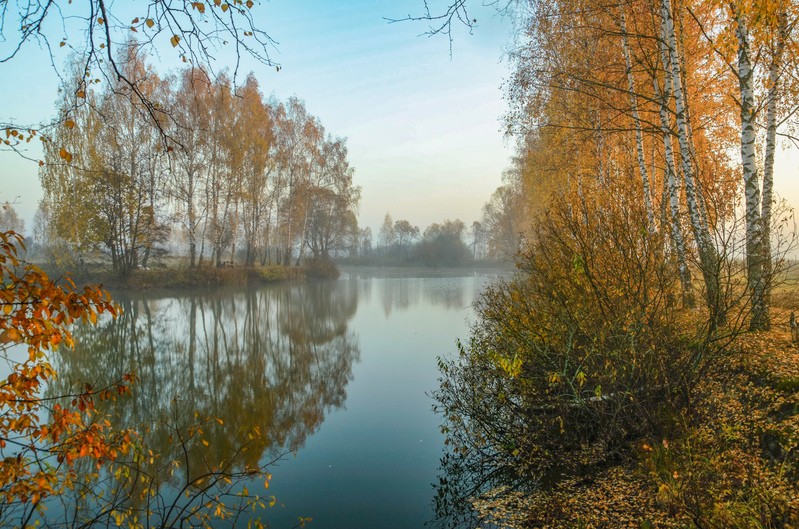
x=65 y=155
x=10 y=335
x=175 y=40
x=149 y=23
x=199 y=6
x=37 y=312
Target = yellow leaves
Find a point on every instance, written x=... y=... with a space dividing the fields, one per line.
x=69 y=124
x=149 y=23
x=175 y=40
x=199 y=6
x=100 y=21
x=224 y=7
x=81 y=94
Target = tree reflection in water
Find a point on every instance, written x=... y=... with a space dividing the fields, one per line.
x=273 y=361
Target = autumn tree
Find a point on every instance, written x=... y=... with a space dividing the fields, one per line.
x=443 y=245
x=256 y=136
x=186 y=185
x=755 y=44
x=95 y=32
x=114 y=169
x=9 y=220
x=504 y=218
x=406 y=233
x=387 y=235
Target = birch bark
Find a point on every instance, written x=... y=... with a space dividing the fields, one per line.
x=672 y=183
x=639 y=139
x=772 y=97
x=708 y=255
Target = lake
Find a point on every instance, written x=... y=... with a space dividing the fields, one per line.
x=336 y=374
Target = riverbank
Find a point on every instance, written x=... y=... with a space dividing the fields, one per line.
x=734 y=461
x=181 y=277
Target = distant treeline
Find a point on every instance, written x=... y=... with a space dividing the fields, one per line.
x=440 y=245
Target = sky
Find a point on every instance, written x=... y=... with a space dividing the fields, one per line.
x=423 y=125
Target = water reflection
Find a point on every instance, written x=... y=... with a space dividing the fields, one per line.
x=284 y=359
x=403 y=294
x=273 y=360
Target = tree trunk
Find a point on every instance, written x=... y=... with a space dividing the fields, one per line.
x=756 y=280
x=708 y=255
x=673 y=183
x=639 y=138
x=771 y=144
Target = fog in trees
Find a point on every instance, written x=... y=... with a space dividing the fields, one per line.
x=239 y=179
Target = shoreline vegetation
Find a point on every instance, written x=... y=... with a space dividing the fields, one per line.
x=728 y=462
x=178 y=276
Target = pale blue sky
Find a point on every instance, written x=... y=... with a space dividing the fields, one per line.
x=423 y=128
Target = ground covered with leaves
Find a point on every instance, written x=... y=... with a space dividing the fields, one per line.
x=732 y=461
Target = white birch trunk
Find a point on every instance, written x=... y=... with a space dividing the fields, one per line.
x=772 y=98
x=639 y=137
x=751 y=178
x=707 y=252
x=672 y=183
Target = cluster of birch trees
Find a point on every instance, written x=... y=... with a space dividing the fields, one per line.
x=689 y=95
x=232 y=175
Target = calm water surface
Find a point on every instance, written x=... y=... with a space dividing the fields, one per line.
x=338 y=373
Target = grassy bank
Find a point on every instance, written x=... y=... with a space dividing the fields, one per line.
x=192 y=278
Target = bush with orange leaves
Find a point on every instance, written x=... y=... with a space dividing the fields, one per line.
x=42 y=439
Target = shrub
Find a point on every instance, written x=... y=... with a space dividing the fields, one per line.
x=586 y=349
x=321 y=267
